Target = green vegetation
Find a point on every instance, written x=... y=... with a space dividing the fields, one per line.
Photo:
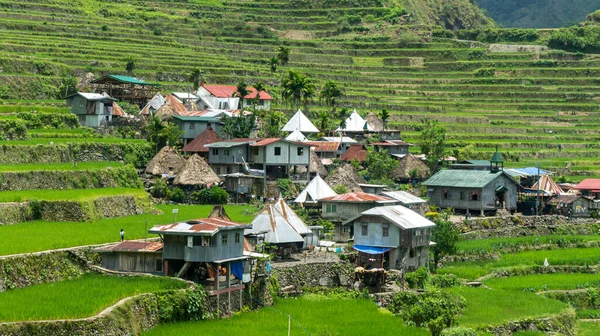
x=94 y=293
x=67 y=195
x=494 y=244
x=59 y=166
x=541 y=282
x=41 y=236
x=313 y=313
x=587 y=328
x=503 y=306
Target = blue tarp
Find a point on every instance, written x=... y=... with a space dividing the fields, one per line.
x=371 y=249
x=530 y=171
x=237 y=268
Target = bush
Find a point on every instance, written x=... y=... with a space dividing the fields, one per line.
x=213 y=195
x=435 y=308
x=37 y=208
x=177 y=195
x=160 y=188
x=340 y=189
x=104 y=28
x=459 y=331
x=444 y=281
x=417 y=279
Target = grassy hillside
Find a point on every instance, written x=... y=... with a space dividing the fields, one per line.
x=538 y=13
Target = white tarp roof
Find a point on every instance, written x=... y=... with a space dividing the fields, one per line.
x=314 y=191
x=276 y=228
x=296 y=222
x=296 y=136
x=301 y=123
x=344 y=139
x=397 y=215
x=355 y=123
x=404 y=197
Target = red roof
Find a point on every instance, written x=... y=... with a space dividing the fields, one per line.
x=589 y=184
x=324 y=146
x=391 y=143
x=176 y=104
x=200 y=225
x=134 y=246
x=197 y=145
x=357 y=197
x=358 y=152
x=264 y=142
x=117 y=110
x=226 y=91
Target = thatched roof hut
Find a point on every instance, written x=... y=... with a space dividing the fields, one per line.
x=408 y=163
x=196 y=172
x=166 y=161
x=316 y=166
x=346 y=175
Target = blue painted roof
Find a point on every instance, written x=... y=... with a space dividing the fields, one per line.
x=371 y=249
x=531 y=171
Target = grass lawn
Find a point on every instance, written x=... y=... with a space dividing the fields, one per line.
x=498 y=243
x=40 y=236
x=568 y=256
x=540 y=282
x=485 y=306
x=588 y=328
x=59 y=166
x=589 y=314
x=94 y=293
x=311 y=315
x=67 y=195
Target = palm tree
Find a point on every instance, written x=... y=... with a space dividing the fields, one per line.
x=273 y=62
x=342 y=116
x=130 y=66
x=196 y=77
x=283 y=55
x=259 y=87
x=324 y=121
x=297 y=88
x=384 y=116
x=241 y=91
x=329 y=92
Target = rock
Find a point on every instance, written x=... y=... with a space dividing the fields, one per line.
x=359 y=286
x=474 y=284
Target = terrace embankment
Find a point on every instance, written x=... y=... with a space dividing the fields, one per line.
x=314 y=274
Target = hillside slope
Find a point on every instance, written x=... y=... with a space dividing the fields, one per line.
x=538 y=13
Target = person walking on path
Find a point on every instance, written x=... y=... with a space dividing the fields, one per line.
x=122 y=233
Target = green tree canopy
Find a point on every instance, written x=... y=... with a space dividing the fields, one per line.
x=330 y=92
x=432 y=142
x=238 y=127
x=384 y=115
x=196 y=77
x=445 y=237
x=283 y=55
x=380 y=165
x=130 y=65
x=161 y=133
x=297 y=88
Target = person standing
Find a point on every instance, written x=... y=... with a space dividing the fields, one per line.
x=122 y=234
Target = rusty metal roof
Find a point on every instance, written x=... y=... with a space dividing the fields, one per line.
x=324 y=146
x=200 y=226
x=133 y=246
x=197 y=145
x=355 y=152
x=358 y=197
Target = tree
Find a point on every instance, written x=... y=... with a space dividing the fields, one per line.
x=380 y=165
x=68 y=86
x=130 y=65
x=241 y=91
x=297 y=88
x=340 y=189
x=272 y=123
x=445 y=237
x=384 y=116
x=342 y=115
x=162 y=133
x=330 y=92
x=283 y=55
x=324 y=122
x=273 y=62
x=259 y=87
x=432 y=142
x=196 y=78
x=238 y=127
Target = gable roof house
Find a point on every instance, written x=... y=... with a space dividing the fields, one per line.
x=345 y=142
x=391 y=237
x=197 y=145
x=396 y=148
x=342 y=207
x=133 y=256
x=571 y=205
x=326 y=149
x=355 y=152
x=589 y=187
x=125 y=88
x=192 y=126
x=91 y=109
x=224 y=97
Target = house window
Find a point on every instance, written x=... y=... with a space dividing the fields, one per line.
x=159 y=265
x=331 y=208
x=228 y=170
x=255 y=151
x=300 y=151
x=345 y=229
x=227 y=152
x=192 y=126
x=224 y=239
x=412 y=253
x=277 y=151
x=261 y=102
x=386 y=230
x=218 y=170
x=474 y=196
x=364 y=229
x=215 y=151
x=417 y=233
x=444 y=194
x=237 y=237
x=462 y=195
x=213 y=241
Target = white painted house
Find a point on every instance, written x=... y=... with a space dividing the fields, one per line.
x=223 y=97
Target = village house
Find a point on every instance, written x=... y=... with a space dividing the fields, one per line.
x=391 y=237
x=314 y=191
x=339 y=208
x=368 y=188
x=224 y=97
x=571 y=205
x=407 y=199
x=198 y=145
x=345 y=142
x=125 y=88
x=187 y=99
x=279 y=157
x=589 y=187
x=242 y=187
x=326 y=149
x=92 y=109
x=192 y=126
x=133 y=256
x=228 y=156
x=356 y=126
x=356 y=152
x=471 y=165
x=396 y=148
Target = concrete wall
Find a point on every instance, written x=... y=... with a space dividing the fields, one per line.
x=228 y=155
x=178 y=247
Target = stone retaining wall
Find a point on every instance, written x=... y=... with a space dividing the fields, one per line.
x=563 y=324
x=580 y=298
x=315 y=274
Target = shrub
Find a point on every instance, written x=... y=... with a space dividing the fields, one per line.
x=160 y=188
x=444 y=281
x=435 y=308
x=417 y=279
x=213 y=195
x=37 y=208
x=340 y=189
x=104 y=28
x=459 y=331
x=177 y=195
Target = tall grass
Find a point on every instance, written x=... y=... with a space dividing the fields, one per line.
x=540 y=282
x=67 y=195
x=311 y=315
x=588 y=328
x=82 y=297
x=40 y=236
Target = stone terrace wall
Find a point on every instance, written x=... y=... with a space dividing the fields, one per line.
x=314 y=274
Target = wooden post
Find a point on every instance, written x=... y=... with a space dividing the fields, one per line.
x=228 y=285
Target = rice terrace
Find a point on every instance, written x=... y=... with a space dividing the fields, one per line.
x=308 y=167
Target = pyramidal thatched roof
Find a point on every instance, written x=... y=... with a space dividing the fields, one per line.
x=196 y=172
x=316 y=166
x=408 y=163
x=345 y=175
x=166 y=161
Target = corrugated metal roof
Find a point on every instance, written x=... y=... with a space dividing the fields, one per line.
x=296 y=136
x=184 y=95
x=200 y=226
x=324 y=146
x=124 y=79
x=404 y=197
x=197 y=145
x=176 y=104
x=232 y=143
x=567 y=199
x=588 y=184
x=463 y=178
x=391 y=143
x=133 y=246
x=344 y=139
x=315 y=190
x=547 y=185
x=296 y=222
x=198 y=119
x=227 y=91
x=358 y=197
x=265 y=142
x=397 y=215
x=92 y=96
x=355 y=152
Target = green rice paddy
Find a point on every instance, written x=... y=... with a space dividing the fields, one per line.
x=68 y=195
x=95 y=165
x=539 y=282
x=93 y=294
x=493 y=244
